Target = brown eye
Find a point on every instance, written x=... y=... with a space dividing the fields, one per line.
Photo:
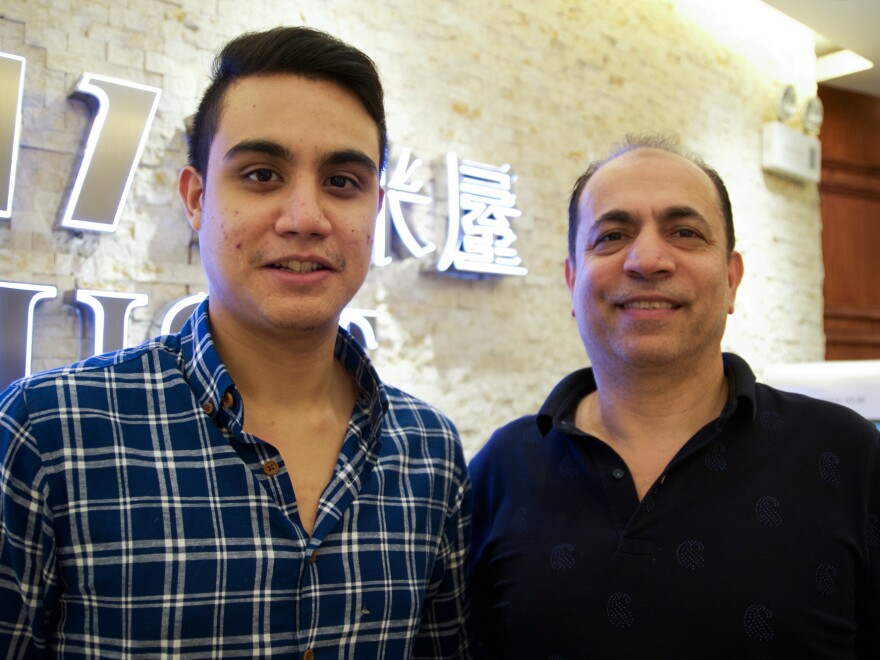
x=261 y=175
x=339 y=181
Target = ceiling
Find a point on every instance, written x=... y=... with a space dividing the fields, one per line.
x=851 y=24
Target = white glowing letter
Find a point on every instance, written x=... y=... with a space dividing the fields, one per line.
x=479 y=237
x=179 y=312
x=110 y=312
x=11 y=93
x=357 y=322
x=17 y=303
x=393 y=233
x=122 y=114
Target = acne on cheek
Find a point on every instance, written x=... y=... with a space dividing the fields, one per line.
x=227 y=238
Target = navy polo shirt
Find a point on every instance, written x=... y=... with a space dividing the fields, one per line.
x=761 y=538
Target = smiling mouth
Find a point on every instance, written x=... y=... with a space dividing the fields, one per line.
x=650 y=305
x=299 y=266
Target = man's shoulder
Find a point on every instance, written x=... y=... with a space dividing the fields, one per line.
x=410 y=420
x=803 y=426
x=511 y=443
x=99 y=370
x=783 y=406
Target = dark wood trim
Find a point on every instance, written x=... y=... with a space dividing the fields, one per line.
x=852 y=313
x=855 y=181
x=858 y=167
x=852 y=338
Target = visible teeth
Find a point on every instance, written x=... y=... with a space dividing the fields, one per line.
x=300 y=266
x=648 y=305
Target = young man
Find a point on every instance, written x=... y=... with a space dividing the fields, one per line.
x=247 y=487
x=662 y=504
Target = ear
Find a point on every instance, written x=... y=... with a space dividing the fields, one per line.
x=735 y=269
x=570 y=275
x=191 y=189
x=381 y=197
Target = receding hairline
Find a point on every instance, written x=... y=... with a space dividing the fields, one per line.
x=654 y=152
x=656 y=145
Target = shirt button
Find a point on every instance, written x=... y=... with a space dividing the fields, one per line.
x=617 y=473
x=313 y=558
x=228 y=400
x=270 y=468
x=309 y=655
x=208 y=407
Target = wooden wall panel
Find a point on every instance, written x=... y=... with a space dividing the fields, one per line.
x=850 y=190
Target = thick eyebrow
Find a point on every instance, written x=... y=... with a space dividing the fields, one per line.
x=265 y=147
x=677 y=212
x=276 y=150
x=668 y=214
x=615 y=217
x=351 y=157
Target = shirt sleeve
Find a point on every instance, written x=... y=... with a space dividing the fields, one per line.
x=26 y=546
x=443 y=632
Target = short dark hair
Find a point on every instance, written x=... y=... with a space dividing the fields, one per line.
x=299 y=50
x=663 y=143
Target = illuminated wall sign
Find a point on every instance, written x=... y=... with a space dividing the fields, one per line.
x=179 y=312
x=122 y=113
x=391 y=223
x=479 y=239
x=12 y=86
x=110 y=311
x=478 y=243
x=479 y=236
x=17 y=303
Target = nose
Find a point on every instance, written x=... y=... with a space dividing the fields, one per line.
x=302 y=212
x=649 y=256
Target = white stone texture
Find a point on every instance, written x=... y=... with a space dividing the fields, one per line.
x=545 y=85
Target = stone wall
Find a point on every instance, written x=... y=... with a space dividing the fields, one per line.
x=544 y=85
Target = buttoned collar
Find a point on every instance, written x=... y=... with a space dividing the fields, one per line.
x=216 y=393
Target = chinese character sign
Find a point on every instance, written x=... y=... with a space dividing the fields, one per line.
x=393 y=232
x=479 y=237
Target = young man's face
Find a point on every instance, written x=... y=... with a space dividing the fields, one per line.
x=651 y=282
x=287 y=208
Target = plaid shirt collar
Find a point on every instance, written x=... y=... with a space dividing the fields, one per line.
x=210 y=381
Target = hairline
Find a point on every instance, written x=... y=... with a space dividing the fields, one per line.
x=657 y=143
x=221 y=108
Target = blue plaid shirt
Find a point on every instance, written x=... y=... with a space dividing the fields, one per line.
x=138 y=518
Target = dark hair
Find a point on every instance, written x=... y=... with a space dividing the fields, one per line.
x=298 y=50
x=663 y=143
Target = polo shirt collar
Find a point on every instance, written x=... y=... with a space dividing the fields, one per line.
x=559 y=407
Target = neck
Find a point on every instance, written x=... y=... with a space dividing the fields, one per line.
x=654 y=407
x=290 y=370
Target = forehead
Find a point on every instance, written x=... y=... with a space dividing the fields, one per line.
x=293 y=109
x=645 y=181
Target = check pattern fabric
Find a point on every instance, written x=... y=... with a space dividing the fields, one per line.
x=138 y=519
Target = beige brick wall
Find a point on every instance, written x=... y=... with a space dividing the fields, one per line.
x=544 y=85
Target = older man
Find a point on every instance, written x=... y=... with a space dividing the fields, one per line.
x=662 y=504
